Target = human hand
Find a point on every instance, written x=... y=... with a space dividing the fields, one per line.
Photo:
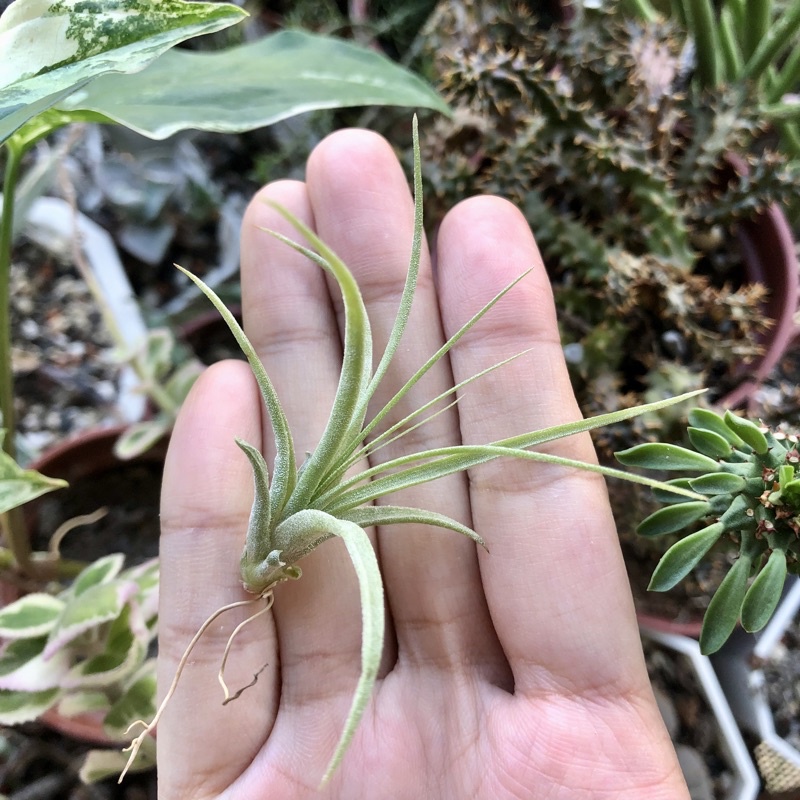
x=516 y=673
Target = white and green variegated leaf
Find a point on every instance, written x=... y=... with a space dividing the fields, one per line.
x=18 y=485
x=84 y=702
x=19 y=707
x=98 y=604
x=103 y=570
x=102 y=764
x=124 y=653
x=24 y=668
x=141 y=436
x=137 y=702
x=31 y=616
x=251 y=86
x=53 y=47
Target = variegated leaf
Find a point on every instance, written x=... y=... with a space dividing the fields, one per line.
x=31 y=616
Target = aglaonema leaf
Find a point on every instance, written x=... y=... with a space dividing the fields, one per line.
x=53 y=47
x=252 y=85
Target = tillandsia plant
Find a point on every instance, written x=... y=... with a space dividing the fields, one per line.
x=103 y=59
x=749 y=477
x=298 y=507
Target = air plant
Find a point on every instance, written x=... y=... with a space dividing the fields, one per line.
x=297 y=508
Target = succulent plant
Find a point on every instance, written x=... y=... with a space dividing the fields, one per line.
x=622 y=168
x=750 y=478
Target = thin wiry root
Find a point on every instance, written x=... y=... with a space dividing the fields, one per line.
x=221 y=675
x=149 y=727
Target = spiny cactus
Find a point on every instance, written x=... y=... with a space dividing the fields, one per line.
x=748 y=487
x=595 y=130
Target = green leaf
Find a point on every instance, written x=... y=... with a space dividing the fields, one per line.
x=19 y=707
x=102 y=764
x=284 y=468
x=656 y=455
x=252 y=85
x=717 y=483
x=370 y=585
x=748 y=431
x=764 y=594
x=137 y=702
x=78 y=40
x=725 y=607
x=93 y=607
x=18 y=486
x=709 y=443
x=31 y=616
x=672 y=497
x=683 y=557
x=673 y=518
x=141 y=436
x=24 y=668
x=711 y=421
x=367 y=516
x=84 y=702
x=103 y=570
x=182 y=380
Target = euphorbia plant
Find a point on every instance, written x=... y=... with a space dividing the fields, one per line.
x=749 y=479
x=298 y=507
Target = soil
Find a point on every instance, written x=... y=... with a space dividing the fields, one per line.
x=37 y=763
x=130 y=492
x=65 y=378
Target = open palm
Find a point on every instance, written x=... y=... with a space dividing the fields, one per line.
x=516 y=673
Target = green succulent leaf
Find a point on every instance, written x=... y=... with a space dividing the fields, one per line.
x=739 y=515
x=671 y=497
x=711 y=421
x=748 y=431
x=252 y=85
x=79 y=40
x=18 y=486
x=791 y=491
x=709 y=443
x=725 y=607
x=683 y=557
x=717 y=483
x=673 y=518
x=656 y=455
x=31 y=616
x=764 y=594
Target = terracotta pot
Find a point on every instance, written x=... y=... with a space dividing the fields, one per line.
x=770 y=258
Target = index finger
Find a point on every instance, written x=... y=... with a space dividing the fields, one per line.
x=554 y=577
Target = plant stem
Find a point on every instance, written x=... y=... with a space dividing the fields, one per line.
x=13 y=523
x=6 y=372
x=759 y=16
x=787 y=78
x=703 y=26
x=770 y=47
